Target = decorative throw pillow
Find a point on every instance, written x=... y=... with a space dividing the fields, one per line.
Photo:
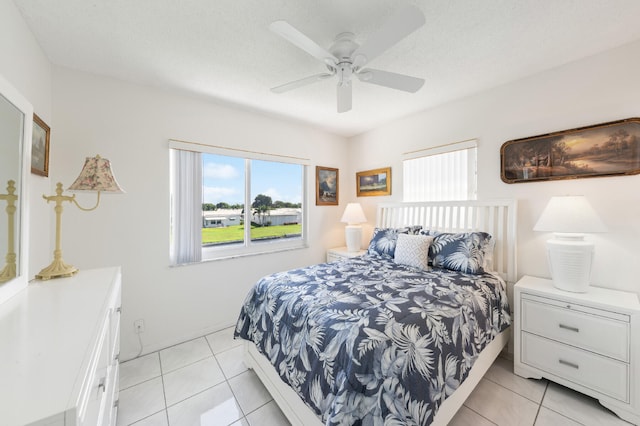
x=413 y=250
x=383 y=241
x=470 y=252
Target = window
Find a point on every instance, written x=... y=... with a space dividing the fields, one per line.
x=442 y=173
x=216 y=192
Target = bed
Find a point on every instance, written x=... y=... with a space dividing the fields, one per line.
x=381 y=339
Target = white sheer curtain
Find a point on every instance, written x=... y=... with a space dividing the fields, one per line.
x=186 y=206
x=441 y=175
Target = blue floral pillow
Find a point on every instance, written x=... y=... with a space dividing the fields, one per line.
x=383 y=242
x=469 y=252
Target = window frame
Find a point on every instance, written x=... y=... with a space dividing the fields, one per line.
x=248 y=247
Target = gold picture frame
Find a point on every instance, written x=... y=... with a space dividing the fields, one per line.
x=373 y=182
x=40 y=147
x=607 y=149
x=327 y=186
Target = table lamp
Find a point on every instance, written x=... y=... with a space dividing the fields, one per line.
x=353 y=216
x=96 y=176
x=570 y=257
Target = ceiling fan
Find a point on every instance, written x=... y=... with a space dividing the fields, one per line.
x=345 y=58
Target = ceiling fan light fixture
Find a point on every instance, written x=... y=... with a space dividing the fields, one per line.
x=330 y=62
x=358 y=61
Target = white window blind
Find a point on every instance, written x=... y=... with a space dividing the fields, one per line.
x=186 y=206
x=442 y=173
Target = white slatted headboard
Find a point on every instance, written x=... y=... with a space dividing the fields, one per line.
x=498 y=218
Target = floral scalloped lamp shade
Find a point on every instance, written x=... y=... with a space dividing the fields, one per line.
x=96 y=175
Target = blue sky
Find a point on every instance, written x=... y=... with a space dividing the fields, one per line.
x=223 y=179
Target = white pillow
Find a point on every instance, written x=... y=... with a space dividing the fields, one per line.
x=413 y=250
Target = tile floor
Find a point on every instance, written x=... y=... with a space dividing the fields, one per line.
x=204 y=382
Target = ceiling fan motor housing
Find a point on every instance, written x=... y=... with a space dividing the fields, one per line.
x=344 y=46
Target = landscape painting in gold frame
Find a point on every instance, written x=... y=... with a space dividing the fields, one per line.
x=607 y=149
x=373 y=182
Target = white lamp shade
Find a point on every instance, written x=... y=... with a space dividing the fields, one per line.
x=353 y=214
x=569 y=214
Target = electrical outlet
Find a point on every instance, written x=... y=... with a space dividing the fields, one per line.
x=138 y=326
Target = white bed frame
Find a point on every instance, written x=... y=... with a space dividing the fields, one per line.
x=495 y=217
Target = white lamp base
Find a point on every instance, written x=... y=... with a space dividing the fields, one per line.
x=353 y=237
x=570 y=258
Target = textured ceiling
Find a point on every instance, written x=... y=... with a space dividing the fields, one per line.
x=223 y=49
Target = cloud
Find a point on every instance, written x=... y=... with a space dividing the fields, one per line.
x=277 y=196
x=273 y=193
x=219 y=171
x=216 y=194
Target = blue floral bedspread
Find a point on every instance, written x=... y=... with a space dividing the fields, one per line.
x=367 y=341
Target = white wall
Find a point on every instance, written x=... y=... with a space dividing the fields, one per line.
x=131 y=125
x=594 y=90
x=25 y=66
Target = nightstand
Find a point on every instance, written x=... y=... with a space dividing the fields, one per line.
x=589 y=342
x=342 y=253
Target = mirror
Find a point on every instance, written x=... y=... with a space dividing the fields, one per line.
x=16 y=118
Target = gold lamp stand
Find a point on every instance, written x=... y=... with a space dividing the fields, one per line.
x=58 y=268
x=96 y=176
x=10 y=270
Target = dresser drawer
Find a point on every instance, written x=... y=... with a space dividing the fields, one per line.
x=581 y=328
x=92 y=397
x=602 y=374
x=112 y=392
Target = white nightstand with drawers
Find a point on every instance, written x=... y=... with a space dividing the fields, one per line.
x=589 y=342
x=342 y=253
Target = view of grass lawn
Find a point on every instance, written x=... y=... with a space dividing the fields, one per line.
x=236 y=233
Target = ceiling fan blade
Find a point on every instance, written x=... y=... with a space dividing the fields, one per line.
x=299 y=83
x=404 y=22
x=390 y=79
x=344 y=97
x=295 y=37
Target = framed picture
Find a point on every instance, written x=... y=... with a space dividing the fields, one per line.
x=606 y=149
x=327 y=189
x=373 y=182
x=40 y=147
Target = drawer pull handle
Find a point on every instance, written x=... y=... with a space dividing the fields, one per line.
x=117 y=357
x=119 y=309
x=568 y=327
x=568 y=364
x=102 y=384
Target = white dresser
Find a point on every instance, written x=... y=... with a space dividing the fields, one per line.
x=59 y=348
x=589 y=342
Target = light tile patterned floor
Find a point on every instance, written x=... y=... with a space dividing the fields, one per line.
x=203 y=382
